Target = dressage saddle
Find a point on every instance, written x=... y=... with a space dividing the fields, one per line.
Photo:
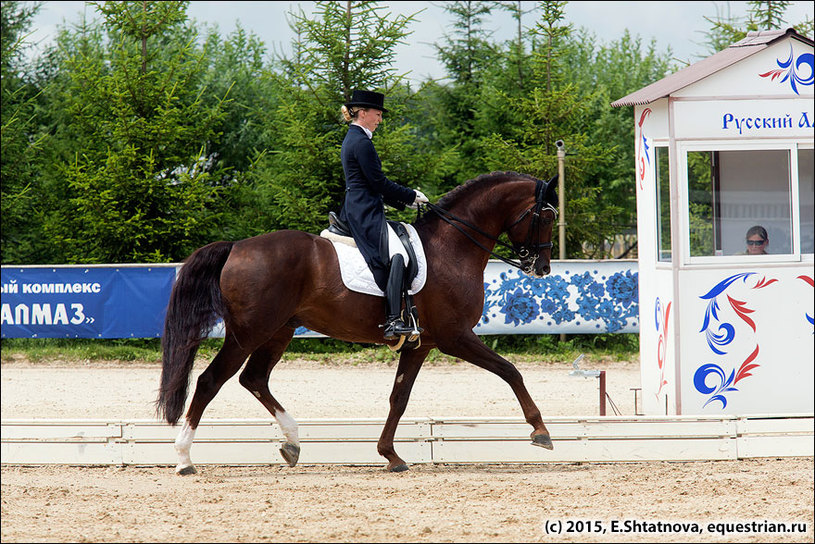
x=337 y=226
x=409 y=314
x=340 y=228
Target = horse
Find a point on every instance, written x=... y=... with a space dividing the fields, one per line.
x=267 y=286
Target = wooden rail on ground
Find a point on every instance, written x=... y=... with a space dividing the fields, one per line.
x=418 y=440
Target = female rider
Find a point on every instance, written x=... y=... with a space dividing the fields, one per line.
x=366 y=189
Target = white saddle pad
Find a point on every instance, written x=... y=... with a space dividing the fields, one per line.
x=358 y=277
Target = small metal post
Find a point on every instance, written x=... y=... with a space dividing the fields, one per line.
x=561 y=226
x=636 y=390
x=602 y=392
x=561 y=197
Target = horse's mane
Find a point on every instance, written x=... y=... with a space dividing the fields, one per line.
x=479 y=184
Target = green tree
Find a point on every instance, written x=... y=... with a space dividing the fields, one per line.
x=606 y=72
x=468 y=57
x=139 y=184
x=343 y=46
x=517 y=57
x=555 y=108
x=236 y=68
x=509 y=75
x=468 y=51
x=20 y=156
x=726 y=29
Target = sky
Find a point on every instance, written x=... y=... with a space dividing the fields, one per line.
x=680 y=25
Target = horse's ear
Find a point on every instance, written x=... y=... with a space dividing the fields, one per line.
x=550 y=195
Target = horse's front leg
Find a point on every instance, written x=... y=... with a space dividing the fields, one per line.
x=470 y=348
x=409 y=364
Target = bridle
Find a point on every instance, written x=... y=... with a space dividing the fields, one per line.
x=530 y=248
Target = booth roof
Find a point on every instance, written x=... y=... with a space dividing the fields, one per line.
x=752 y=44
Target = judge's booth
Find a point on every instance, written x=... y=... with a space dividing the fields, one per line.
x=724 y=153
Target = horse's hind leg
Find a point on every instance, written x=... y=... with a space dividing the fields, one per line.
x=225 y=364
x=470 y=348
x=409 y=364
x=255 y=378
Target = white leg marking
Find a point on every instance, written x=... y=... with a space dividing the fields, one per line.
x=399 y=378
x=183 y=442
x=289 y=426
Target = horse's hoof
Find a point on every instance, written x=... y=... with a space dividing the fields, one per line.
x=398 y=468
x=543 y=440
x=184 y=471
x=290 y=452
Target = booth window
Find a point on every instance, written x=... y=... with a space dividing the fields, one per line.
x=663 y=186
x=806 y=193
x=731 y=191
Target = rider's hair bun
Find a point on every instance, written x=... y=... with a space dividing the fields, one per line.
x=347 y=114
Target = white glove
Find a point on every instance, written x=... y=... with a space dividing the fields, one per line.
x=420 y=199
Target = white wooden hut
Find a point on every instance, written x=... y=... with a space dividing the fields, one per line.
x=722 y=146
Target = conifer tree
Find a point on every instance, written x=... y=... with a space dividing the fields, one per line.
x=342 y=46
x=763 y=15
x=137 y=184
x=19 y=156
x=553 y=109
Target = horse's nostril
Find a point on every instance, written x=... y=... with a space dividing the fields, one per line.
x=546 y=270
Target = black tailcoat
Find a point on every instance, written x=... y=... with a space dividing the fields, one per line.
x=366 y=188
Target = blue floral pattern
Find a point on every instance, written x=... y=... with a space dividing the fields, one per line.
x=519 y=308
x=584 y=300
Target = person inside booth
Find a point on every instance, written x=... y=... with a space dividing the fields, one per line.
x=756 y=240
x=725 y=188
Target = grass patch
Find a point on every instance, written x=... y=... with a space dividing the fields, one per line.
x=82 y=349
x=516 y=348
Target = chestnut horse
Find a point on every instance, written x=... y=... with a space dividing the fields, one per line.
x=266 y=286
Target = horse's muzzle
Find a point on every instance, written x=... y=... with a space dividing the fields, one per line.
x=544 y=271
x=537 y=270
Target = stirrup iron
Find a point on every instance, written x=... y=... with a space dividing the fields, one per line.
x=395 y=327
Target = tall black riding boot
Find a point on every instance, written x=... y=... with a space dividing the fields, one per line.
x=394 y=326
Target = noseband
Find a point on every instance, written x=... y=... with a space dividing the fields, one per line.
x=531 y=247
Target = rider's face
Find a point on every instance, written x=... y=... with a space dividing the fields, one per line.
x=369 y=118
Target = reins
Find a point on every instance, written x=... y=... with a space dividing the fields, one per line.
x=524 y=250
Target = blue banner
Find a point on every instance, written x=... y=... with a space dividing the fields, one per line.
x=85 y=302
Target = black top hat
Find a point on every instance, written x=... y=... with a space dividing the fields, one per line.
x=367 y=99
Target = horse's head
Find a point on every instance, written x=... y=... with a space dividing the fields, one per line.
x=531 y=233
x=519 y=205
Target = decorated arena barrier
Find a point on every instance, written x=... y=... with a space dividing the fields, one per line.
x=129 y=301
x=577 y=297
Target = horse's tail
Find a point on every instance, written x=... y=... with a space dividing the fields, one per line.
x=194 y=308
